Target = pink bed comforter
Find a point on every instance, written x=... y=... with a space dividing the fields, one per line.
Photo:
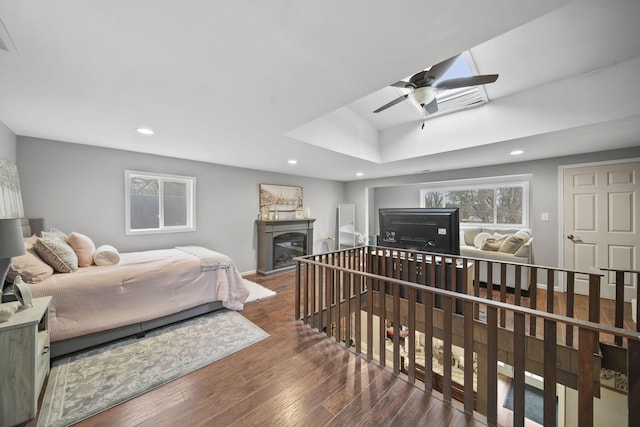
x=143 y=286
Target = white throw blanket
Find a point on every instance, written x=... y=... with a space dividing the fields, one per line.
x=210 y=260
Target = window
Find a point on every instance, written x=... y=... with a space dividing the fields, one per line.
x=157 y=203
x=500 y=203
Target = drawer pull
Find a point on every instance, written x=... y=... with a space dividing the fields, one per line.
x=45 y=351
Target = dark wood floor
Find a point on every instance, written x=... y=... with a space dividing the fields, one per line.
x=296 y=377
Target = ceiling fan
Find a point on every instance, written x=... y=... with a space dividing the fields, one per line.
x=424 y=91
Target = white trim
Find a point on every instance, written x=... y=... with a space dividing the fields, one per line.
x=190 y=182
x=523 y=181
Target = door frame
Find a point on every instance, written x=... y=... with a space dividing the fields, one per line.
x=561 y=238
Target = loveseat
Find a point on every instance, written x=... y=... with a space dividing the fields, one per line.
x=513 y=245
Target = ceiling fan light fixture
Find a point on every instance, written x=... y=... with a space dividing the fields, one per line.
x=424 y=95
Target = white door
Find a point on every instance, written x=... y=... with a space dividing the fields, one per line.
x=601 y=223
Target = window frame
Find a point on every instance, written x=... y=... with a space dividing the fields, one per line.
x=190 y=182
x=522 y=181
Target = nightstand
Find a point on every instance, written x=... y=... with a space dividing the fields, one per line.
x=24 y=361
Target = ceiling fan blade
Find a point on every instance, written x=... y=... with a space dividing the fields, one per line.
x=431 y=107
x=392 y=103
x=467 y=81
x=401 y=84
x=438 y=70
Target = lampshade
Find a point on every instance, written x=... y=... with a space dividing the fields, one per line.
x=11 y=240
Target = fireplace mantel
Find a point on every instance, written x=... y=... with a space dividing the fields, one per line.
x=275 y=256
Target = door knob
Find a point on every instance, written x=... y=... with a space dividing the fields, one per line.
x=574 y=238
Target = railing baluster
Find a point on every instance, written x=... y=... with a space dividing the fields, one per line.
x=503 y=293
x=410 y=340
x=299 y=267
x=492 y=365
x=468 y=353
x=329 y=292
x=570 y=295
x=358 y=313
x=586 y=344
x=550 y=290
x=373 y=267
x=447 y=320
x=633 y=375
x=312 y=296
x=427 y=298
x=518 y=368
x=619 y=315
x=382 y=295
x=550 y=372
x=476 y=288
x=533 y=298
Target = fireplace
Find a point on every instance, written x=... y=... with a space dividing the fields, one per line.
x=280 y=241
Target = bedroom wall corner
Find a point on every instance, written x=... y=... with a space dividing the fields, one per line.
x=8 y=142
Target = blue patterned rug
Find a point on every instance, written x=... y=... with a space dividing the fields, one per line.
x=533 y=403
x=87 y=383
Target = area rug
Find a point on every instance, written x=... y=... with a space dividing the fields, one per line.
x=87 y=383
x=533 y=403
x=257 y=292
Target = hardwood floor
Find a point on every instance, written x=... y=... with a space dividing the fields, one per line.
x=296 y=377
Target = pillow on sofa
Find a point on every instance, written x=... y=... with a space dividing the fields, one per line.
x=480 y=238
x=493 y=244
x=511 y=243
x=57 y=253
x=470 y=234
x=106 y=255
x=84 y=248
x=29 y=266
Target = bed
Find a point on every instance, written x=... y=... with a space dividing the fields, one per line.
x=144 y=290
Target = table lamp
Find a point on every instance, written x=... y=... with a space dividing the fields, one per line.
x=11 y=210
x=11 y=244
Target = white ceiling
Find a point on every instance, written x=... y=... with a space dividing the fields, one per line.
x=242 y=83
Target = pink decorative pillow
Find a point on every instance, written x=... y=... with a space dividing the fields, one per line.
x=83 y=246
x=29 y=266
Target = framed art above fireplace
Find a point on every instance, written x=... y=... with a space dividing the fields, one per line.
x=282 y=198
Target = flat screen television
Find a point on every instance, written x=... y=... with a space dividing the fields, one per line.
x=421 y=229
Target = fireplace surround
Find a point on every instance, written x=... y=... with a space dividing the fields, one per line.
x=279 y=241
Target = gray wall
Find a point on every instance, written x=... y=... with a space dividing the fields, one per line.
x=544 y=194
x=80 y=188
x=7 y=143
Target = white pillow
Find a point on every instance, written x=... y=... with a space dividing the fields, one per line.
x=480 y=238
x=106 y=255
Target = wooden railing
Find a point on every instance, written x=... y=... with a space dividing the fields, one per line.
x=345 y=292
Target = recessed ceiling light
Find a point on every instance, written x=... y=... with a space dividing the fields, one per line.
x=516 y=152
x=292 y=161
x=359 y=174
x=145 y=131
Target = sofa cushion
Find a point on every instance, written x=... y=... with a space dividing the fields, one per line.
x=470 y=235
x=493 y=244
x=480 y=238
x=511 y=243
